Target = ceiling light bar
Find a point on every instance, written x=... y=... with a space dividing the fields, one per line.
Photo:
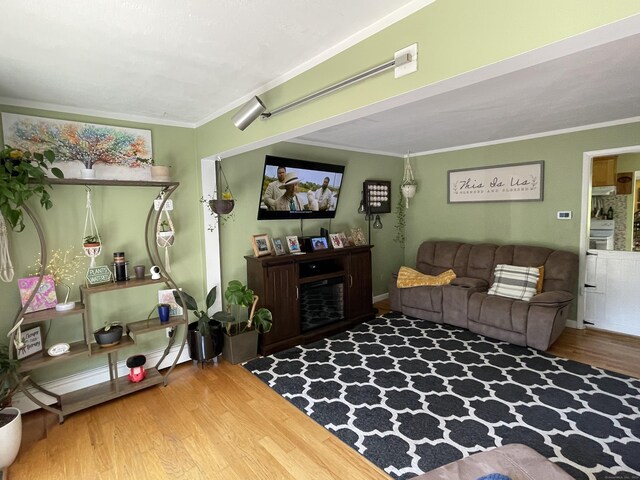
x=255 y=108
x=396 y=62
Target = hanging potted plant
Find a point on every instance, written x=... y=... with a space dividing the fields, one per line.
x=10 y=418
x=204 y=336
x=22 y=176
x=409 y=184
x=242 y=325
x=223 y=203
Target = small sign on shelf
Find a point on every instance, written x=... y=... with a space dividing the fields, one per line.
x=98 y=276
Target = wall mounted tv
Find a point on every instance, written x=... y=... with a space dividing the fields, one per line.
x=299 y=189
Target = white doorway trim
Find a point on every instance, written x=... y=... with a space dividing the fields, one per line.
x=213 y=272
x=585 y=217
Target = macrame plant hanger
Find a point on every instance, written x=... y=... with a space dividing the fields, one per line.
x=91 y=229
x=166 y=238
x=409 y=184
x=6 y=267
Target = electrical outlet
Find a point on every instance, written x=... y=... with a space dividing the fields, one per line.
x=169 y=332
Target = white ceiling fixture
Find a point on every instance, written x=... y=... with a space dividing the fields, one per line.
x=172 y=62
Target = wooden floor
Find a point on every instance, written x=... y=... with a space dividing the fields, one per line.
x=221 y=422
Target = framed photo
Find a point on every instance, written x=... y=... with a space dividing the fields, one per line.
x=358 y=236
x=260 y=244
x=319 y=243
x=497 y=183
x=278 y=247
x=336 y=241
x=31 y=343
x=343 y=239
x=377 y=196
x=44 y=298
x=293 y=244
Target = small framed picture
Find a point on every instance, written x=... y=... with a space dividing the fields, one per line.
x=336 y=241
x=260 y=244
x=293 y=244
x=319 y=243
x=343 y=239
x=30 y=343
x=278 y=247
x=358 y=236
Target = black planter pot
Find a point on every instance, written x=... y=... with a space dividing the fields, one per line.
x=207 y=347
x=221 y=207
x=110 y=337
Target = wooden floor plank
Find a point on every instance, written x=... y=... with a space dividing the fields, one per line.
x=223 y=422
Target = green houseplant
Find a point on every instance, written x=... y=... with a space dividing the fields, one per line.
x=204 y=335
x=241 y=326
x=22 y=176
x=10 y=418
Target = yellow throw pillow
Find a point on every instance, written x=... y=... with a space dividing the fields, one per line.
x=408 y=277
x=540 y=280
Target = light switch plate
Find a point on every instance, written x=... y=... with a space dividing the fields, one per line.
x=564 y=215
x=410 y=67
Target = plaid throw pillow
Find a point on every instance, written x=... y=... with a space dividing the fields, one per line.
x=515 y=282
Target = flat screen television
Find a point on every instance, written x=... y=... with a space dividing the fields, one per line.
x=293 y=189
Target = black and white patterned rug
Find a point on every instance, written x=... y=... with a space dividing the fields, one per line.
x=411 y=395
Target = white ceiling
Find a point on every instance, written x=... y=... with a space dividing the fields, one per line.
x=593 y=86
x=176 y=62
x=183 y=63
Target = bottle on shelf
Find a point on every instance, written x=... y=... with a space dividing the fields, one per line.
x=610 y=213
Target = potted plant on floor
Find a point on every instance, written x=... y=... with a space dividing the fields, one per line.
x=241 y=325
x=22 y=176
x=204 y=336
x=10 y=418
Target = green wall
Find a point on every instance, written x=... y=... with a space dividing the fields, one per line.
x=531 y=223
x=244 y=173
x=453 y=36
x=120 y=214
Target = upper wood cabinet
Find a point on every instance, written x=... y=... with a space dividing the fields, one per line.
x=604 y=171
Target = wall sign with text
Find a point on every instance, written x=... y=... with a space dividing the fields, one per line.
x=498 y=183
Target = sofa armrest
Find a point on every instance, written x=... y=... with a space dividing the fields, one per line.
x=556 y=298
x=468 y=282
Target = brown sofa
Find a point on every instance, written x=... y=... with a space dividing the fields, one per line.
x=536 y=323
x=515 y=461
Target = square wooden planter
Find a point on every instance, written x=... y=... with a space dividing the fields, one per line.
x=240 y=348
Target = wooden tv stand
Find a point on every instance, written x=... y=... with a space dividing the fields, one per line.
x=278 y=281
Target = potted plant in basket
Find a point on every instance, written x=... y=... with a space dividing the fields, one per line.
x=10 y=418
x=22 y=176
x=204 y=335
x=241 y=325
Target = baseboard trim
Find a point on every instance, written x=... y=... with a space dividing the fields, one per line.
x=379 y=298
x=90 y=377
x=573 y=324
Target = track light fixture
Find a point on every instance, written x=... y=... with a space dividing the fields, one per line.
x=255 y=108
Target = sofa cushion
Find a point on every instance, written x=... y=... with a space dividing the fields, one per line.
x=423 y=298
x=408 y=277
x=499 y=312
x=436 y=257
x=515 y=460
x=515 y=282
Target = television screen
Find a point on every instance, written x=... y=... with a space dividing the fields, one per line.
x=299 y=189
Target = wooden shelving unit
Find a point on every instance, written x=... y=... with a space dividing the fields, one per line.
x=116 y=386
